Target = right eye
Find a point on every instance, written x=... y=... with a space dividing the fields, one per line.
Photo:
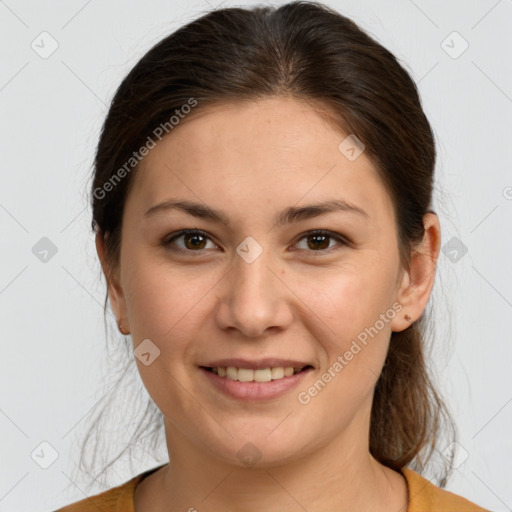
x=194 y=240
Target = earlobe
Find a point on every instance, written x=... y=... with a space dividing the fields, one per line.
x=403 y=319
x=418 y=281
x=115 y=292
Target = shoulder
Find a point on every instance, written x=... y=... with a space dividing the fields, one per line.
x=424 y=496
x=117 y=499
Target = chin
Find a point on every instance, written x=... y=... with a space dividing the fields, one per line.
x=256 y=448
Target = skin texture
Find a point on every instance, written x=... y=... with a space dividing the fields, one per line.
x=252 y=160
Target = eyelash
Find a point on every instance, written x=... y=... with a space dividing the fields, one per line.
x=343 y=241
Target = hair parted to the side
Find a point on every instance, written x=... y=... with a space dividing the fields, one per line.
x=307 y=51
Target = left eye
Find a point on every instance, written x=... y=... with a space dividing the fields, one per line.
x=194 y=240
x=320 y=240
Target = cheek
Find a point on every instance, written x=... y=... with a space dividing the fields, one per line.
x=164 y=306
x=348 y=301
x=356 y=306
x=355 y=344
x=163 y=300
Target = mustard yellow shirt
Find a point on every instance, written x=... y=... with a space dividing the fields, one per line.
x=423 y=497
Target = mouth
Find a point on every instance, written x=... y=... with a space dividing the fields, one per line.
x=246 y=374
x=261 y=381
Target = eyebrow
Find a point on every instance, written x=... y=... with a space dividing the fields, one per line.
x=287 y=216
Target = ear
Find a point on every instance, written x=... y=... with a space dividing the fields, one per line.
x=416 y=283
x=115 y=292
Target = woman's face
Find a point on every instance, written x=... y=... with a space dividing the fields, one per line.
x=252 y=288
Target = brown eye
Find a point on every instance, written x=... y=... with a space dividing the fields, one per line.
x=318 y=241
x=193 y=241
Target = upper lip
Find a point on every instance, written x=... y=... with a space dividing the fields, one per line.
x=267 y=362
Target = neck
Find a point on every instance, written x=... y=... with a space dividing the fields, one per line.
x=340 y=476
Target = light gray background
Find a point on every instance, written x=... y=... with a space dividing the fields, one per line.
x=53 y=339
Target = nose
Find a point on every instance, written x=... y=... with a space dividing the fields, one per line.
x=254 y=297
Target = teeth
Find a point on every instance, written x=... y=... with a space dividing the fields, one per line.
x=277 y=373
x=260 y=375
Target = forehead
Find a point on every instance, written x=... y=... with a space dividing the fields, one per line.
x=257 y=153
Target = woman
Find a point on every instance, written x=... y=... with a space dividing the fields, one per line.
x=262 y=210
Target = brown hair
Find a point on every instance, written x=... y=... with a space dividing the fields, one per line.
x=311 y=52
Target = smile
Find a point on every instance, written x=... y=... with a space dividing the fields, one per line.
x=258 y=375
x=260 y=384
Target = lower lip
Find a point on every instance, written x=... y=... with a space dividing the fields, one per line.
x=255 y=391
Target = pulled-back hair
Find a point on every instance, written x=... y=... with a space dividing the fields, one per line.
x=307 y=51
